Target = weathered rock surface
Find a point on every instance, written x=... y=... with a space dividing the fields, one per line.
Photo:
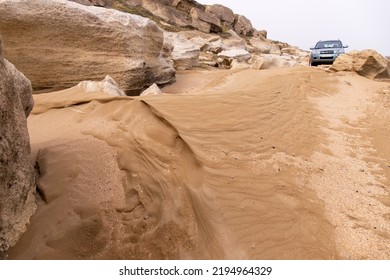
x=262 y=34
x=152 y=90
x=107 y=86
x=240 y=55
x=82 y=2
x=367 y=63
x=163 y=10
x=193 y=49
x=224 y=14
x=185 y=53
x=17 y=179
x=126 y=61
x=214 y=22
x=99 y=3
x=228 y=44
x=185 y=14
x=264 y=46
x=60 y=43
x=243 y=26
x=271 y=61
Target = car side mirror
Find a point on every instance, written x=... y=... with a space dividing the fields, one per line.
x=312 y=48
x=346 y=46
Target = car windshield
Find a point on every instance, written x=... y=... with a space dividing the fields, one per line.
x=328 y=44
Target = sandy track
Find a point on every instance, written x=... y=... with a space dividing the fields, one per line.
x=355 y=179
x=245 y=164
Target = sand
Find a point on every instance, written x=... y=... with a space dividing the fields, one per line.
x=229 y=164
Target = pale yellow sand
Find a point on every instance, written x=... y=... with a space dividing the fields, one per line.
x=235 y=164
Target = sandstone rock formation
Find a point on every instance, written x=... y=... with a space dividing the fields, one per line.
x=161 y=10
x=152 y=90
x=197 y=49
x=185 y=53
x=60 y=43
x=205 y=21
x=225 y=39
x=262 y=34
x=240 y=55
x=264 y=46
x=224 y=14
x=367 y=63
x=38 y=45
x=107 y=86
x=194 y=48
x=17 y=179
x=172 y=14
x=243 y=26
x=99 y=3
x=82 y=2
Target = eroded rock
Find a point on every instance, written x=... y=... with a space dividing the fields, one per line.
x=224 y=14
x=152 y=90
x=243 y=26
x=185 y=53
x=17 y=179
x=107 y=86
x=367 y=63
x=60 y=43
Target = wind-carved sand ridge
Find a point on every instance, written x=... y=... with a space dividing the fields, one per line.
x=238 y=164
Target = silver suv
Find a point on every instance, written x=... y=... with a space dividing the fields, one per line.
x=326 y=52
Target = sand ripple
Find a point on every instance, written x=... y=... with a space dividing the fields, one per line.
x=220 y=172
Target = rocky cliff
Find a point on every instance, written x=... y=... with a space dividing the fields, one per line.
x=17 y=178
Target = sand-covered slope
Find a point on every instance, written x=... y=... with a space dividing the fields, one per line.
x=235 y=164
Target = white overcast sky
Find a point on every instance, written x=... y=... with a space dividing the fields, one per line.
x=361 y=24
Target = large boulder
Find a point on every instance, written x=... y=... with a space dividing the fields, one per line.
x=216 y=44
x=264 y=46
x=107 y=86
x=224 y=14
x=243 y=26
x=241 y=55
x=60 y=43
x=164 y=10
x=367 y=63
x=262 y=34
x=82 y=2
x=198 y=15
x=17 y=179
x=185 y=53
x=152 y=90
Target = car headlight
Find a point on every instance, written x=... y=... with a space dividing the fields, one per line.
x=315 y=53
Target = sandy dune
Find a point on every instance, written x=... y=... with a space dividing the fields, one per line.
x=235 y=164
